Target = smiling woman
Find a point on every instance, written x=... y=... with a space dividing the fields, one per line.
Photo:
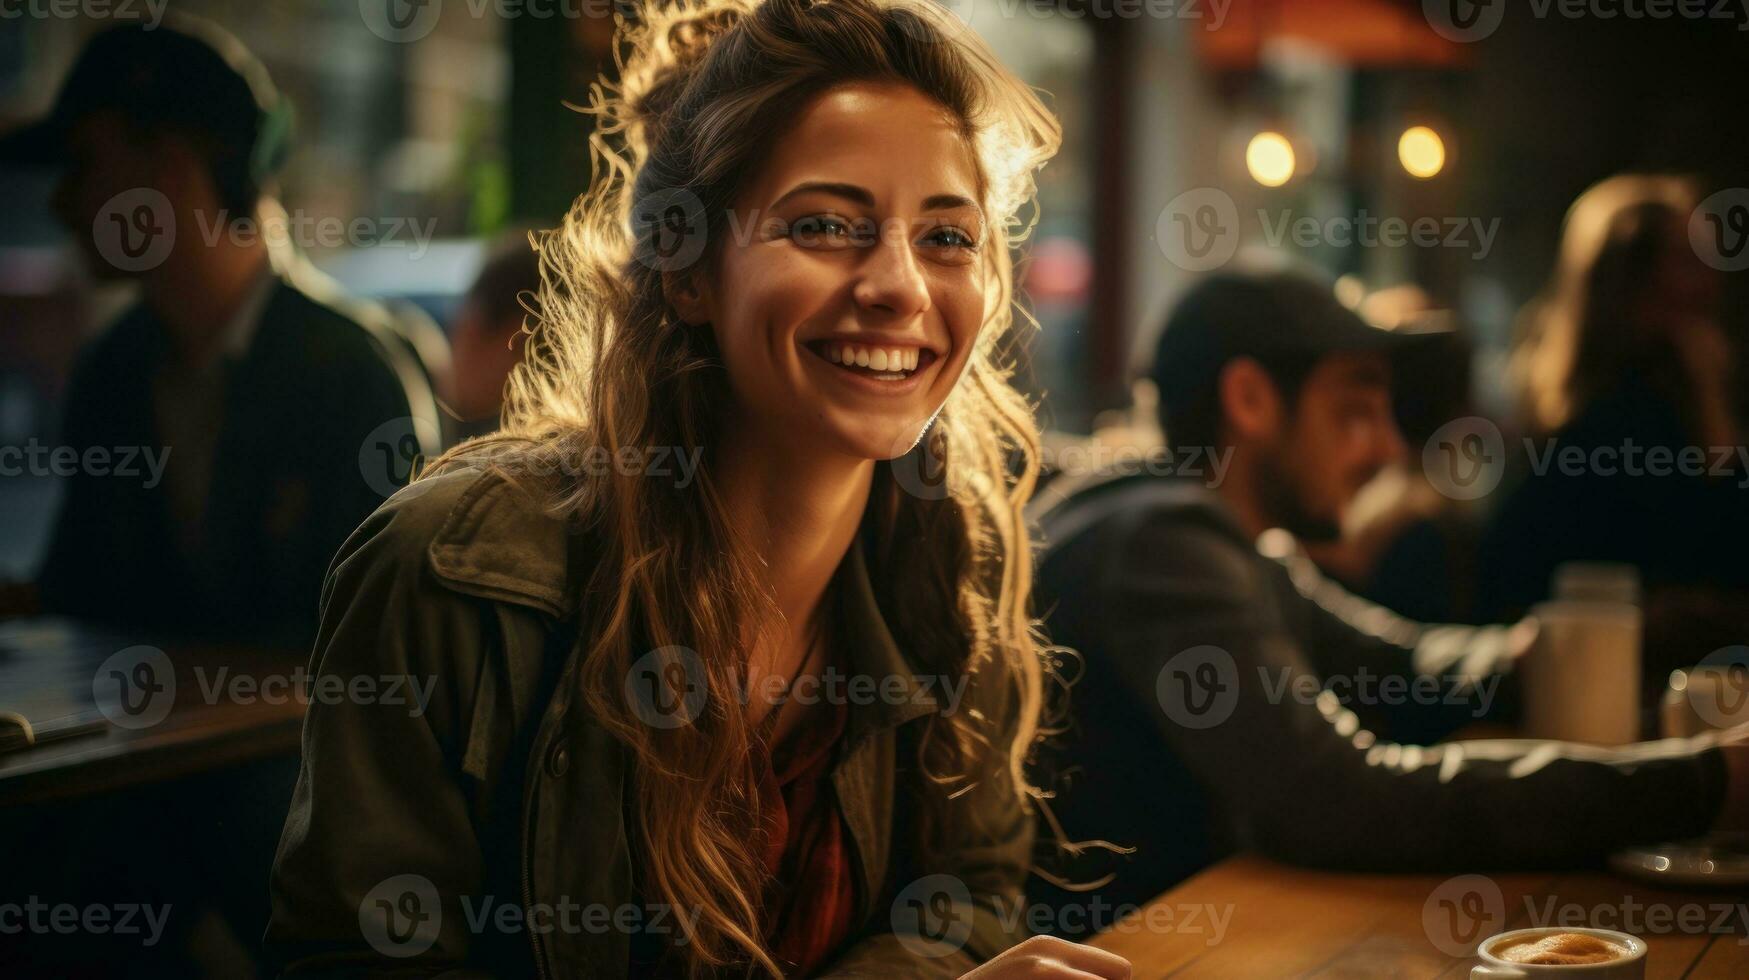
x=795 y=268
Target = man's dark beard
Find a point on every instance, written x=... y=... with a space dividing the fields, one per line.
x=1280 y=495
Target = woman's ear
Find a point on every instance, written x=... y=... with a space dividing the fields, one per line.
x=689 y=294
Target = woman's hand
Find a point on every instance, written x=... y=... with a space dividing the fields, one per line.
x=1049 y=958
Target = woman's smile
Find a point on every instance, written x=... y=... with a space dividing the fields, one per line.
x=882 y=367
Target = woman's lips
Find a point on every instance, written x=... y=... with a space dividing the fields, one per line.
x=888 y=368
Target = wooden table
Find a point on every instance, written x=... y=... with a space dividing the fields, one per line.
x=1248 y=917
x=47 y=673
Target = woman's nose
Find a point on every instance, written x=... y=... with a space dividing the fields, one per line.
x=891 y=280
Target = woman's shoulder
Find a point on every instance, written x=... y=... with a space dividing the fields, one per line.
x=470 y=530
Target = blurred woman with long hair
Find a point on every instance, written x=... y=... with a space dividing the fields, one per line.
x=1623 y=358
x=1630 y=304
x=726 y=632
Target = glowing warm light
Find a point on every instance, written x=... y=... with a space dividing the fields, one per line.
x=1270 y=158
x=1421 y=151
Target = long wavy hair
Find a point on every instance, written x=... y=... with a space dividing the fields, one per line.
x=703 y=90
x=1580 y=337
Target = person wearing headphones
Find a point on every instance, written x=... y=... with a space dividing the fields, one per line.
x=269 y=414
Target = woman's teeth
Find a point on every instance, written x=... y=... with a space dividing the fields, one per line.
x=884 y=361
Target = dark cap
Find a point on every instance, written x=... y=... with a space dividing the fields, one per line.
x=1275 y=315
x=192 y=77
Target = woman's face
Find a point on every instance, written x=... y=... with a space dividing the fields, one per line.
x=850 y=289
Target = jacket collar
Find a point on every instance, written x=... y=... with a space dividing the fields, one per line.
x=498 y=543
x=883 y=685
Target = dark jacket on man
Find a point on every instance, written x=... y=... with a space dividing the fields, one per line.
x=1208 y=717
x=309 y=430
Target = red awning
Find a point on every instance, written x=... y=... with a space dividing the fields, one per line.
x=1369 y=33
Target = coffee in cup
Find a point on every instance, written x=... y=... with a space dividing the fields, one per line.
x=1596 y=954
x=1562 y=949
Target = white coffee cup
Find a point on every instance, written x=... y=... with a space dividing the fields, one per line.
x=1629 y=967
x=1581 y=680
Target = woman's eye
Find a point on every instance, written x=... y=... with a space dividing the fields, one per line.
x=821 y=231
x=950 y=238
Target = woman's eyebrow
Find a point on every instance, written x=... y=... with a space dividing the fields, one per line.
x=850 y=192
x=865 y=198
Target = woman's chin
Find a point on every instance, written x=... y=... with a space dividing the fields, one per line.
x=880 y=443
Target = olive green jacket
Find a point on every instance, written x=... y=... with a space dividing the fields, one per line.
x=482 y=831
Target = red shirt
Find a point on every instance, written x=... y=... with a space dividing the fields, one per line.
x=810 y=906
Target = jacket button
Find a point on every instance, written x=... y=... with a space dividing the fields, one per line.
x=558 y=760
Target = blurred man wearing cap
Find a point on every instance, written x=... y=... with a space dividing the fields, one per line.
x=247 y=402
x=251 y=406
x=1233 y=698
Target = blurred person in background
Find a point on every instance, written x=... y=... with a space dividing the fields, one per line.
x=248 y=398
x=246 y=402
x=488 y=332
x=1405 y=544
x=1233 y=698
x=1624 y=357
